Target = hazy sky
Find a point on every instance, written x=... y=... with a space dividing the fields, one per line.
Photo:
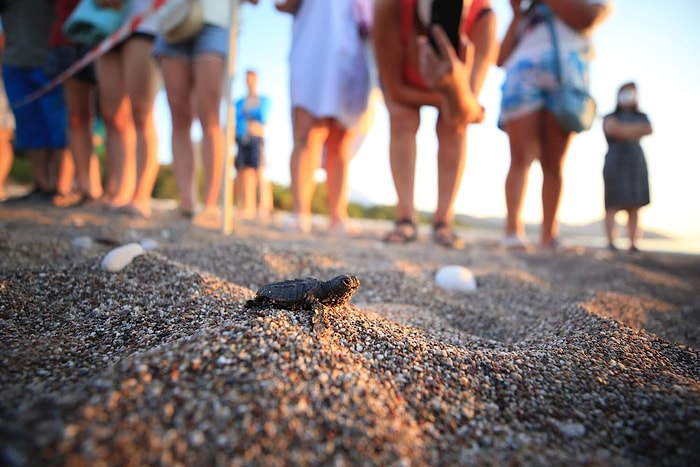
x=653 y=43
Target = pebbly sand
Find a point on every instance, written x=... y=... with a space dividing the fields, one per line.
x=579 y=358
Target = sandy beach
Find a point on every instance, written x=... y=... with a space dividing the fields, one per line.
x=585 y=357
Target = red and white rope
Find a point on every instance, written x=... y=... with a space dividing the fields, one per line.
x=126 y=29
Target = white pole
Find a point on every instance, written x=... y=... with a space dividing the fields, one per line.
x=227 y=191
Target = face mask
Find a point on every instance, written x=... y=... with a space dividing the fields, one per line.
x=627 y=97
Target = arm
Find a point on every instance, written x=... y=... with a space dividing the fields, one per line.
x=510 y=40
x=625 y=131
x=483 y=36
x=287 y=6
x=579 y=14
x=388 y=51
x=450 y=74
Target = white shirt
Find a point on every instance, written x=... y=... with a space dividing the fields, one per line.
x=538 y=40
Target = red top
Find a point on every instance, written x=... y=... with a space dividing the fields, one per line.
x=62 y=10
x=408 y=17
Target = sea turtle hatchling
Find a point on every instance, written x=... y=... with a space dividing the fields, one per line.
x=307 y=293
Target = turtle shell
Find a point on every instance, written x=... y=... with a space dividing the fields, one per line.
x=291 y=291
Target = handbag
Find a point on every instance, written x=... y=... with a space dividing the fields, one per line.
x=90 y=24
x=572 y=106
x=181 y=20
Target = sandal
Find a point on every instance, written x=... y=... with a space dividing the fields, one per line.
x=444 y=236
x=404 y=231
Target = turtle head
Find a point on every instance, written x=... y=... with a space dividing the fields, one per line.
x=351 y=283
x=338 y=290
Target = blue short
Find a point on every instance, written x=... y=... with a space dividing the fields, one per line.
x=250 y=152
x=210 y=39
x=528 y=84
x=42 y=123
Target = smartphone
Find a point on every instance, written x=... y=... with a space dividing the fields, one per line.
x=448 y=14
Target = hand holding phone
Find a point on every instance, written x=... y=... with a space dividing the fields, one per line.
x=448 y=15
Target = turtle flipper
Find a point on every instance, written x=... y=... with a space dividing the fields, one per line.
x=318 y=320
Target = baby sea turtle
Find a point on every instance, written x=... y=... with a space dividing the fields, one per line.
x=307 y=293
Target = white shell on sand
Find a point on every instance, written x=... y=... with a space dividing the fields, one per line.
x=84 y=242
x=148 y=243
x=120 y=257
x=456 y=278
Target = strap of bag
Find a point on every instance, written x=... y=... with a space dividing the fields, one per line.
x=555 y=43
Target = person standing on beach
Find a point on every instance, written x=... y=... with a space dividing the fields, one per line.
x=193 y=72
x=625 y=171
x=329 y=90
x=40 y=125
x=413 y=76
x=252 y=187
x=128 y=80
x=80 y=91
x=530 y=61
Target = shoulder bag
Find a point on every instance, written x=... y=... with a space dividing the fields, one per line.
x=181 y=20
x=573 y=107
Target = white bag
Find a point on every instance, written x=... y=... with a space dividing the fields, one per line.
x=180 y=20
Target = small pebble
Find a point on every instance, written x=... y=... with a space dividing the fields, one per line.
x=84 y=242
x=120 y=257
x=571 y=429
x=148 y=244
x=457 y=278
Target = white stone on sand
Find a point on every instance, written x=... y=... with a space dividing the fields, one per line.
x=456 y=278
x=122 y=256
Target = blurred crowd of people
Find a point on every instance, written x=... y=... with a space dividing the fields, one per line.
x=333 y=51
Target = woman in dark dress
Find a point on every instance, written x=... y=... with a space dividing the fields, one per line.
x=625 y=171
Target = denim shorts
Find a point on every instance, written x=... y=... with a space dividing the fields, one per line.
x=250 y=152
x=210 y=39
x=60 y=58
x=528 y=84
x=42 y=123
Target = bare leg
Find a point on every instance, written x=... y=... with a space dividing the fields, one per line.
x=6 y=157
x=265 y=195
x=310 y=135
x=404 y=122
x=209 y=74
x=79 y=102
x=610 y=227
x=633 y=227
x=116 y=113
x=142 y=82
x=555 y=145
x=65 y=172
x=337 y=167
x=248 y=187
x=452 y=157
x=178 y=80
x=39 y=160
x=525 y=147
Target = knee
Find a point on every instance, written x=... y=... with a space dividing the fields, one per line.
x=552 y=169
x=404 y=121
x=79 y=121
x=142 y=114
x=180 y=115
x=118 y=120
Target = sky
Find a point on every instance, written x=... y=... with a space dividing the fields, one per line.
x=652 y=43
